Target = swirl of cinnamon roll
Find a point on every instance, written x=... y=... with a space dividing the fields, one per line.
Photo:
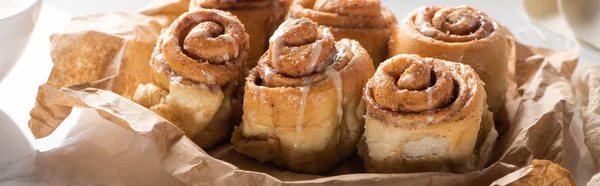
x=259 y=17
x=351 y=19
x=426 y=114
x=454 y=24
x=460 y=34
x=197 y=65
x=206 y=46
x=302 y=103
x=298 y=49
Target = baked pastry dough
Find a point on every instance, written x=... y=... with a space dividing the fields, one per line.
x=426 y=114
x=366 y=21
x=539 y=173
x=460 y=34
x=302 y=103
x=259 y=17
x=197 y=68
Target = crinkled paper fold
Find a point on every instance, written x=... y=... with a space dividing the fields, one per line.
x=99 y=60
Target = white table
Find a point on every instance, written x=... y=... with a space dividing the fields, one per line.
x=19 y=88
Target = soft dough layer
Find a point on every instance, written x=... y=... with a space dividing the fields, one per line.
x=202 y=113
x=366 y=21
x=445 y=132
x=460 y=34
x=260 y=19
x=307 y=123
x=197 y=66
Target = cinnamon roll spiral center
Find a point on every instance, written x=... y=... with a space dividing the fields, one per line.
x=457 y=22
x=205 y=46
x=300 y=48
x=208 y=41
x=409 y=81
x=414 y=85
x=302 y=53
x=454 y=24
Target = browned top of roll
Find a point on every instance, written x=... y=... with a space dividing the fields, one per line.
x=232 y=4
x=420 y=90
x=452 y=24
x=344 y=13
x=207 y=46
x=299 y=51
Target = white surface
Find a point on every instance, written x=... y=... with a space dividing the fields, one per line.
x=19 y=88
x=17 y=18
x=11 y=7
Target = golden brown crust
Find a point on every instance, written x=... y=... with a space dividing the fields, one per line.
x=545 y=173
x=364 y=14
x=299 y=50
x=310 y=122
x=449 y=91
x=198 y=64
x=182 y=48
x=452 y=24
x=365 y=21
x=425 y=114
x=260 y=18
x=460 y=34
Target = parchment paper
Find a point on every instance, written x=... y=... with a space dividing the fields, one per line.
x=99 y=59
x=586 y=83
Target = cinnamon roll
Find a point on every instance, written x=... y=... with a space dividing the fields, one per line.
x=259 y=17
x=364 y=20
x=302 y=103
x=461 y=34
x=197 y=65
x=426 y=114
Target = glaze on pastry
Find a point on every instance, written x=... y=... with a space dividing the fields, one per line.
x=259 y=17
x=426 y=114
x=366 y=21
x=302 y=103
x=197 y=65
x=460 y=34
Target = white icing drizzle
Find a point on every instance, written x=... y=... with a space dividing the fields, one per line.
x=337 y=81
x=175 y=78
x=159 y=57
x=299 y=124
x=469 y=81
x=210 y=78
x=171 y=38
x=409 y=78
x=305 y=89
x=321 y=3
x=236 y=48
x=425 y=29
x=198 y=32
x=232 y=19
x=262 y=96
x=314 y=55
x=269 y=73
x=226 y=57
x=466 y=21
x=275 y=42
x=204 y=86
x=162 y=63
